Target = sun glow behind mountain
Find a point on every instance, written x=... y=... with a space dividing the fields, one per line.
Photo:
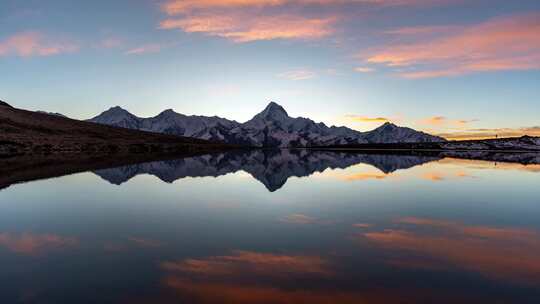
x=422 y=64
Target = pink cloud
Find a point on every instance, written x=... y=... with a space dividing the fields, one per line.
x=34 y=244
x=505 y=43
x=27 y=44
x=175 y=7
x=251 y=20
x=504 y=253
x=244 y=263
x=242 y=28
x=144 y=49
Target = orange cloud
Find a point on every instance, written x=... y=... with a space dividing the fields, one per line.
x=27 y=44
x=500 y=253
x=248 y=263
x=365 y=176
x=433 y=176
x=442 y=124
x=509 y=43
x=436 y=120
x=361 y=225
x=359 y=118
x=250 y=293
x=490 y=133
x=176 y=7
x=252 y=20
x=484 y=164
x=243 y=28
x=34 y=244
x=439 y=176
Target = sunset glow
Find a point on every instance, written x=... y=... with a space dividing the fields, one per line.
x=423 y=64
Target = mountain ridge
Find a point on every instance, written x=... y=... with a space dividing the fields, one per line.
x=272 y=127
x=26 y=132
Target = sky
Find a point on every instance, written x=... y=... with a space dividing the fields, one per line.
x=456 y=68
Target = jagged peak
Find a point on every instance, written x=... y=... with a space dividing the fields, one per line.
x=117 y=109
x=114 y=112
x=168 y=112
x=388 y=125
x=273 y=111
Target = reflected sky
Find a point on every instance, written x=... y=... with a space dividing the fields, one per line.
x=439 y=231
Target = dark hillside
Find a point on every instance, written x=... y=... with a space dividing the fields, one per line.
x=23 y=132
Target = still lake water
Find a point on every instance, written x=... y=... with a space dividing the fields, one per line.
x=281 y=227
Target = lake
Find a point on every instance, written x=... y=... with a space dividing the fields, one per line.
x=288 y=226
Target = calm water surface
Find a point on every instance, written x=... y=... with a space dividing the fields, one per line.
x=280 y=227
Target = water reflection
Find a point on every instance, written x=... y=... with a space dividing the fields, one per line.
x=35 y=244
x=362 y=228
x=270 y=167
x=504 y=253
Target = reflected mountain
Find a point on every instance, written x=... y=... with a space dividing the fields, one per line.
x=270 y=167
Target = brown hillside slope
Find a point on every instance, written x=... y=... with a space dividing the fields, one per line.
x=23 y=132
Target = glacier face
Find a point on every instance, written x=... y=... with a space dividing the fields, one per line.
x=272 y=127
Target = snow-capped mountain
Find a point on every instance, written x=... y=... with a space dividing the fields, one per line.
x=273 y=127
x=390 y=133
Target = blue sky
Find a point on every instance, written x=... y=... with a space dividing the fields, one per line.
x=469 y=68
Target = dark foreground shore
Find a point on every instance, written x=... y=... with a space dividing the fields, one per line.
x=25 y=132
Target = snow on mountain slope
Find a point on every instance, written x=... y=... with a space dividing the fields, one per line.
x=272 y=127
x=390 y=133
x=118 y=117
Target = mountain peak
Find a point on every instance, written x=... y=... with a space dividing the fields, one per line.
x=273 y=111
x=114 y=115
x=167 y=112
x=388 y=126
x=117 y=109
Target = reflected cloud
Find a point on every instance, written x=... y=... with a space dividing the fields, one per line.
x=298 y=219
x=523 y=162
x=249 y=263
x=252 y=277
x=439 y=176
x=144 y=242
x=362 y=225
x=302 y=219
x=35 y=244
x=227 y=292
x=365 y=176
x=496 y=252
